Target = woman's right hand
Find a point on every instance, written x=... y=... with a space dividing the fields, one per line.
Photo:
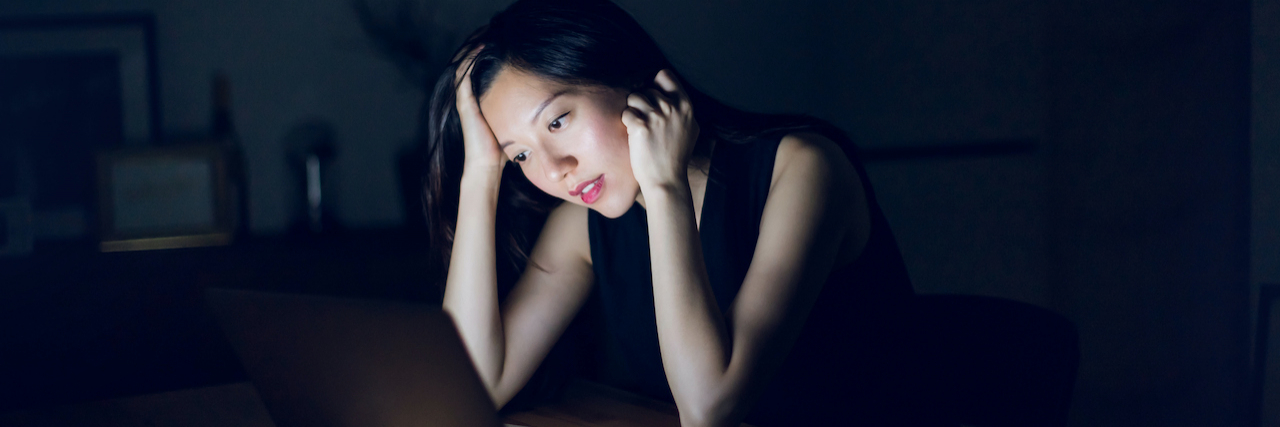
x=482 y=153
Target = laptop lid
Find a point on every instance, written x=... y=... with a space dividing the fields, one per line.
x=325 y=361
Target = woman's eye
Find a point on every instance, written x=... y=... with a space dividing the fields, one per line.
x=556 y=124
x=524 y=155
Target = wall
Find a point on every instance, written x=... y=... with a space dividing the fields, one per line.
x=1266 y=142
x=1265 y=155
x=1147 y=121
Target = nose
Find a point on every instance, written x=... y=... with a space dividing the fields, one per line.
x=558 y=166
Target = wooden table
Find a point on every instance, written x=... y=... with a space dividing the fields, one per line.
x=585 y=404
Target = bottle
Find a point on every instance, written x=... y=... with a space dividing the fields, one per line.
x=223 y=133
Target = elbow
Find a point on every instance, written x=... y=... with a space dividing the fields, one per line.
x=501 y=393
x=708 y=413
x=703 y=420
x=696 y=420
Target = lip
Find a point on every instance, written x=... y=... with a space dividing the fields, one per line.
x=590 y=196
x=578 y=189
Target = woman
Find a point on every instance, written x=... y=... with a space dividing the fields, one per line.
x=742 y=266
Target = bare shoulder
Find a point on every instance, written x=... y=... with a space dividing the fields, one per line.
x=816 y=157
x=811 y=169
x=564 y=234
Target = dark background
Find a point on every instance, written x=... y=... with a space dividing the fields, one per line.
x=59 y=110
x=1146 y=212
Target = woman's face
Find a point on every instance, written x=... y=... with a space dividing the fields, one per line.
x=568 y=140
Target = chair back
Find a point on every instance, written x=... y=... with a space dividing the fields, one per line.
x=994 y=362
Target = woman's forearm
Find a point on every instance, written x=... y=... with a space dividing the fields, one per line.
x=692 y=335
x=471 y=291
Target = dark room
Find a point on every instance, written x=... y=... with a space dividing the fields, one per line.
x=990 y=213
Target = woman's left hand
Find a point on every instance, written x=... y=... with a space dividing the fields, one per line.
x=661 y=133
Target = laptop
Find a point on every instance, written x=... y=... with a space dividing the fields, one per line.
x=325 y=361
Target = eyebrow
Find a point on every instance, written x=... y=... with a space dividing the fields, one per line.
x=538 y=112
x=544 y=104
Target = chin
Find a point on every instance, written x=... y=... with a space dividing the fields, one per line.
x=610 y=213
x=613 y=207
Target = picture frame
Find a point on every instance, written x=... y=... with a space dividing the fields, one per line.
x=165 y=197
x=75 y=85
x=129 y=36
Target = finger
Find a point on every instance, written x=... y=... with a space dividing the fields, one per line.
x=633 y=120
x=465 y=99
x=659 y=100
x=666 y=80
x=472 y=120
x=640 y=102
x=463 y=72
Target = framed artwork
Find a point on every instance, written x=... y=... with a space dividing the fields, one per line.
x=73 y=86
x=161 y=198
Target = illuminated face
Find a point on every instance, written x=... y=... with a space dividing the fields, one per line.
x=568 y=140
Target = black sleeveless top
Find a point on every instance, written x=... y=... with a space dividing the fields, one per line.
x=838 y=361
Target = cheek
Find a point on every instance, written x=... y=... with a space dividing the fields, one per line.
x=539 y=180
x=607 y=138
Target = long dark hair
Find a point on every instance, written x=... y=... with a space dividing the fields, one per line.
x=580 y=42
